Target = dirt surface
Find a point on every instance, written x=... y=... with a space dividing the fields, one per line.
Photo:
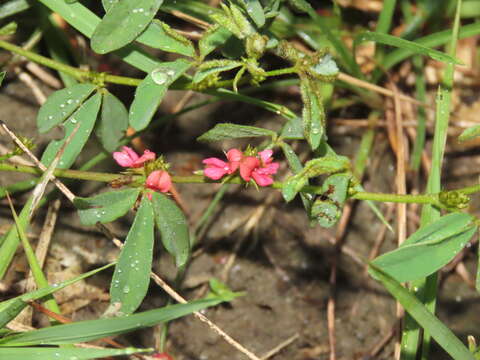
x=281 y=262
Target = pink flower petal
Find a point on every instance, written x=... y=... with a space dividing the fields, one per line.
x=215 y=162
x=159 y=180
x=270 y=169
x=122 y=159
x=247 y=165
x=214 y=172
x=234 y=155
x=262 y=180
x=266 y=156
x=147 y=156
x=130 y=152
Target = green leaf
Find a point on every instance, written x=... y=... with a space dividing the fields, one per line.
x=61 y=104
x=296 y=166
x=313 y=113
x=122 y=24
x=415 y=47
x=214 y=67
x=232 y=131
x=159 y=35
x=43 y=353
x=173 y=227
x=293 y=129
x=437 y=329
x=10 y=241
x=221 y=290
x=327 y=208
x=105 y=207
x=132 y=273
x=13 y=7
x=150 y=92
x=107 y=4
x=470 y=133
x=326 y=165
x=255 y=11
x=269 y=106
x=8 y=29
x=9 y=309
x=420 y=259
x=2 y=76
x=89 y=330
x=113 y=122
x=214 y=37
x=86 y=115
x=441 y=229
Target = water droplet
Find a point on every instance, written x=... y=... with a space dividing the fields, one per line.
x=160 y=76
x=62 y=105
x=69 y=101
x=126 y=289
x=50 y=117
x=73 y=121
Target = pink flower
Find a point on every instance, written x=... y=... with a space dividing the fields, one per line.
x=261 y=168
x=159 y=180
x=217 y=168
x=263 y=175
x=247 y=165
x=129 y=158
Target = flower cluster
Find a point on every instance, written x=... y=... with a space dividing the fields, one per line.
x=260 y=167
x=158 y=180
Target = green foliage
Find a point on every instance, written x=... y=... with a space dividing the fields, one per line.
x=8 y=29
x=220 y=290
x=414 y=47
x=213 y=67
x=84 y=118
x=43 y=353
x=442 y=334
x=9 y=309
x=313 y=112
x=122 y=24
x=173 y=227
x=469 y=134
x=113 y=122
x=429 y=248
x=233 y=131
x=89 y=330
x=213 y=38
x=132 y=273
x=327 y=208
x=61 y=104
x=326 y=165
x=105 y=207
x=12 y=7
x=152 y=89
x=159 y=35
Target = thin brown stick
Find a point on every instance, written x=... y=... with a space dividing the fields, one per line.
x=280 y=347
x=191 y=19
x=381 y=90
x=41 y=254
x=43 y=75
x=31 y=84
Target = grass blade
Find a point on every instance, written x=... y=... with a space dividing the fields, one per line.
x=442 y=334
x=97 y=329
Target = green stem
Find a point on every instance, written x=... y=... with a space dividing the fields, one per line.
x=431 y=198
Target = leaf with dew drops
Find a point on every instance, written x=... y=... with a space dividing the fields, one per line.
x=152 y=89
x=123 y=23
x=132 y=273
x=61 y=104
x=105 y=207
